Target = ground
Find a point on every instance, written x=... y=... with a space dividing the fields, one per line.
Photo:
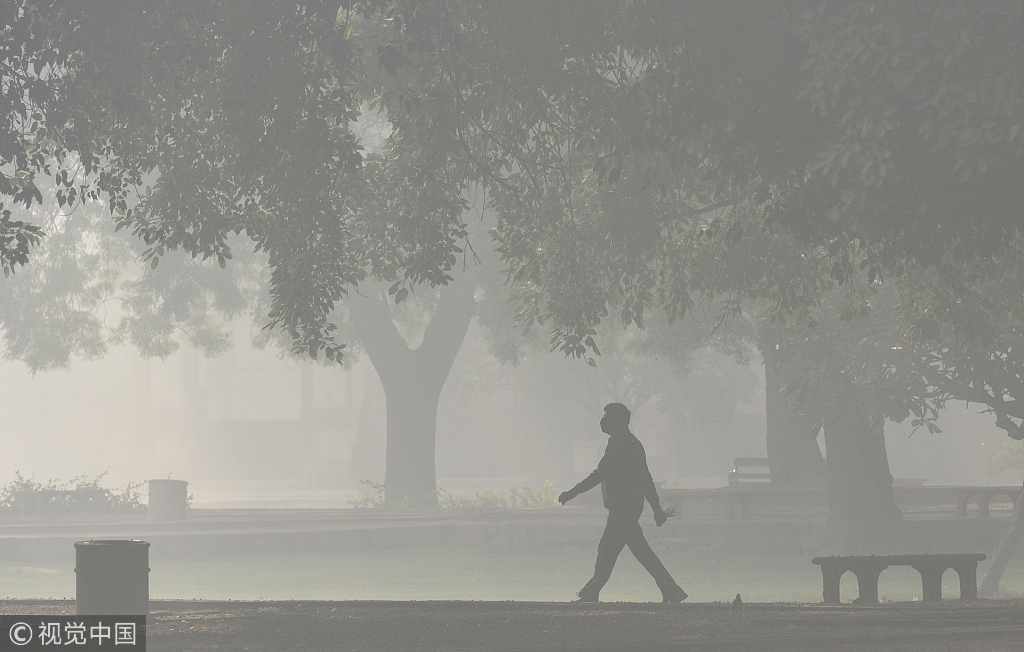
x=365 y=626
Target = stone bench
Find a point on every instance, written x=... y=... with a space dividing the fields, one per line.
x=868 y=568
x=984 y=497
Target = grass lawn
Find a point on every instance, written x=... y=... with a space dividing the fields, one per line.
x=467 y=573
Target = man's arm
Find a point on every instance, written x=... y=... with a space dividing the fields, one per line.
x=650 y=489
x=586 y=484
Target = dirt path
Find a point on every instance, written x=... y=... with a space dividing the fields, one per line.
x=182 y=626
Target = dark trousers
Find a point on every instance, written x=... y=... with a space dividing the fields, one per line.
x=623 y=529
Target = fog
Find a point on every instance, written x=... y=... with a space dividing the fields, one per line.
x=252 y=428
x=395 y=324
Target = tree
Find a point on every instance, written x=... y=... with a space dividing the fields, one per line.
x=413 y=379
x=792 y=444
x=606 y=140
x=704 y=105
x=967 y=336
x=260 y=86
x=839 y=383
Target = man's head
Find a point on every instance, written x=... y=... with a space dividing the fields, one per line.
x=615 y=420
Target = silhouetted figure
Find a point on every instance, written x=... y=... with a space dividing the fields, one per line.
x=625 y=482
x=737 y=604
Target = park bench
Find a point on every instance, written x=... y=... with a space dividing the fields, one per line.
x=739 y=477
x=984 y=497
x=37 y=499
x=868 y=568
x=736 y=498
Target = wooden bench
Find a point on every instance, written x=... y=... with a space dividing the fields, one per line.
x=984 y=497
x=868 y=568
x=736 y=498
x=738 y=477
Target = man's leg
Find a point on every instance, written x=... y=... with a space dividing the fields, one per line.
x=612 y=541
x=638 y=545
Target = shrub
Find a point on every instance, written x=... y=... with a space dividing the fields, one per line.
x=490 y=499
x=23 y=494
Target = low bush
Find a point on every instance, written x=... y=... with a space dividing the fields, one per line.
x=28 y=495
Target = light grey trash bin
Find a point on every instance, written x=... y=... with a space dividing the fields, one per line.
x=112 y=577
x=167 y=500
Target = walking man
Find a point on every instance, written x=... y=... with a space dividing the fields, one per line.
x=625 y=483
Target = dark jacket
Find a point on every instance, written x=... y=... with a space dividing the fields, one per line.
x=624 y=477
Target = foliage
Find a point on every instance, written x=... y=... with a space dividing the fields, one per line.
x=28 y=65
x=85 y=292
x=490 y=499
x=245 y=112
x=925 y=132
x=606 y=139
x=638 y=155
x=373 y=498
x=55 y=308
x=965 y=328
x=22 y=493
x=1010 y=456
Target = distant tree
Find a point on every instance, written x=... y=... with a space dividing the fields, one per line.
x=839 y=381
x=85 y=291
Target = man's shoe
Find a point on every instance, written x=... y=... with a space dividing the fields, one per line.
x=586 y=597
x=675 y=595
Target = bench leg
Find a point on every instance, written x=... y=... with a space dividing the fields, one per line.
x=744 y=502
x=830 y=581
x=961 y=507
x=931 y=582
x=983 y=502
x=867 y=585
x=968 y=573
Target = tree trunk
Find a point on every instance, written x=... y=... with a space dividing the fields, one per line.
x=1003 y=554
x=368 y=451
x=412 y=381
x=863 y=516
x=793 y=454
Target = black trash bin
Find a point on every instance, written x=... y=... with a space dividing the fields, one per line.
x=167 y=500
x=112 y=577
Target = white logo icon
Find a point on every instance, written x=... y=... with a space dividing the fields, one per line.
x=21 y=633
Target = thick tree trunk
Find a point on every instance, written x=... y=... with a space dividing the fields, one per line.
x=410 y=478
x=1003 y=554
x=368 y=450
x=863 y=516
x=793 y=454
x=412 y=381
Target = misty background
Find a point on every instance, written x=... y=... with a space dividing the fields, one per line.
x=252 y=428
x=806 y=215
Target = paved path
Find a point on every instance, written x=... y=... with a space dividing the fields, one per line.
x=529 y=626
